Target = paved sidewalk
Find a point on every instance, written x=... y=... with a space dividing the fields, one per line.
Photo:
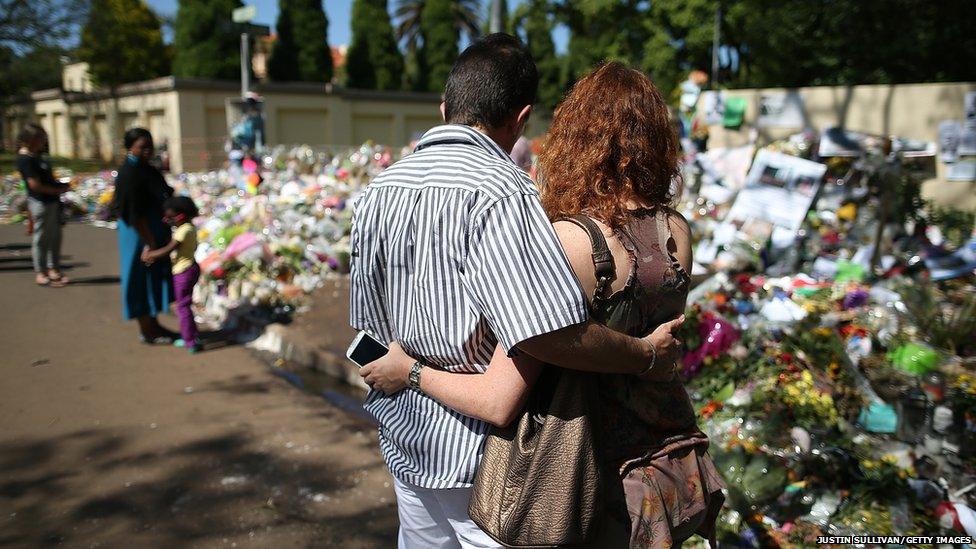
x=108 y=442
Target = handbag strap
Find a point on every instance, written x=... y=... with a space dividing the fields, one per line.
x=603 y=266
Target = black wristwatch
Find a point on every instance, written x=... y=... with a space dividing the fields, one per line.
x=414 y=378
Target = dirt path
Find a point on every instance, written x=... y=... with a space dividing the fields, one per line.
x=107 y=442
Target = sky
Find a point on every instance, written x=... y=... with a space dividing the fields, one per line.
x=338 y=13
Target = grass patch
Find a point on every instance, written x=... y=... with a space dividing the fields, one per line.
x=8 y=164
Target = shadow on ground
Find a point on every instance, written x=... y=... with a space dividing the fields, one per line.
x=201 y=492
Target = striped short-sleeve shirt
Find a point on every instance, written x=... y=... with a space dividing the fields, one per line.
x=452 y=254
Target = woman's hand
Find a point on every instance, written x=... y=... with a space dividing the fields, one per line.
x=667 y=350
x=389 y=373
x=147 y=255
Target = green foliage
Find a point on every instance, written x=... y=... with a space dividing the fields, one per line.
x=311 y=33
x=301 y=52
x=679 y=39
x=533 y=19
x=37 y=69
x=956 y=225
x=410 y=32
x=207 y=41
x=283 y=63
x=373 y=61
x=122 y=42
x=823 y=42
x=945 y=320
x=774 y=43
x=29 y=24
x=602 y=30
x=440 y=47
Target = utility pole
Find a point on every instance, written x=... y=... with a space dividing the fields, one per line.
x=243 y=16
x=716 y=40
x=498 y=17
x=245 y=73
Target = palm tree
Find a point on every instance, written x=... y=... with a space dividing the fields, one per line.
x=408 y=21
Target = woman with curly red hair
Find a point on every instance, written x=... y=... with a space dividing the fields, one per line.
x=607 y=175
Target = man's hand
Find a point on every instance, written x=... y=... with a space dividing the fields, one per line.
x=147 y=256
x=389 y=373
x=668 y=348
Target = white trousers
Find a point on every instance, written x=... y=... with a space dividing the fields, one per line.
x=431 y=519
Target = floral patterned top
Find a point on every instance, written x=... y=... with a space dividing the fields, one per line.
x=648 y=430
x=642 y=417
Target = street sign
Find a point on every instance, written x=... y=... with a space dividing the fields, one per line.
x=245 y=14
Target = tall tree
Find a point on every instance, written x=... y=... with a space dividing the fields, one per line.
x=37 y=69
x=283 y=64
x=679 y=38
x=207 y=41
x=534 y=21
x=28 y=24
x=373 y=60
x=410 y=33
x=122 y=42
x=301 y=51
x=602 y=30
x=312 y=34
x=440 y=47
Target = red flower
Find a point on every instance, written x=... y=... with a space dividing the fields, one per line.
x=710 y=408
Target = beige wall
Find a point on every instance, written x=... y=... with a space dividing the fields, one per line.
x=192 y=118
x=321 y=120
x=94 y=128
x=906 y=110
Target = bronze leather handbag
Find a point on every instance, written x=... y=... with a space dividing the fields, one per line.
x=539 y=482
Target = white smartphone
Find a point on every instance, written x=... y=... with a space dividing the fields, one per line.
x=365 y=349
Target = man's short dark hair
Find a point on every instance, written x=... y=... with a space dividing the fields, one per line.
x=490 y=81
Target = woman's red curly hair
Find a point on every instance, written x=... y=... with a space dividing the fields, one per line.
x=611 y=140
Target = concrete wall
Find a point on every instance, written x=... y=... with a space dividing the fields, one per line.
x=91 y=126
x=192 y=118
x=907 y=110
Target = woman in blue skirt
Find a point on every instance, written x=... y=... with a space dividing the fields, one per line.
x=140 y=191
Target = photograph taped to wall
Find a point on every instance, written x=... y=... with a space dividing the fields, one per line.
x=780 y=110
x=967 y=138
x=779 y=190
x=712 y=107
x=950 y=132
x=962 y=170
x=724 y=171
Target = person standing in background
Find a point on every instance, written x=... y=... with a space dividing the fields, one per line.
x=44 y=205
x=140 y=191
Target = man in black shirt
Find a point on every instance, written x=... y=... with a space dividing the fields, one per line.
x=44 y=202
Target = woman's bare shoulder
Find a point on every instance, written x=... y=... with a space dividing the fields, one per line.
x=576 y=244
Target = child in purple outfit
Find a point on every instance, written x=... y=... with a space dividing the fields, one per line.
x=179 y=212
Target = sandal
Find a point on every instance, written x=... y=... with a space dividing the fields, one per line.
x=157 y=340
x=42 y=280
x=58 y=279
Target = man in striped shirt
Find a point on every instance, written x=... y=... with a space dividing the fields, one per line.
x=452 y=256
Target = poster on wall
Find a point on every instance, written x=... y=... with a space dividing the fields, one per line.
x=779 y=190
x=962 y=170
x=724 y=171
x=780 y=110
x=713 y=107
x=950 y=132
x=967 y=139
